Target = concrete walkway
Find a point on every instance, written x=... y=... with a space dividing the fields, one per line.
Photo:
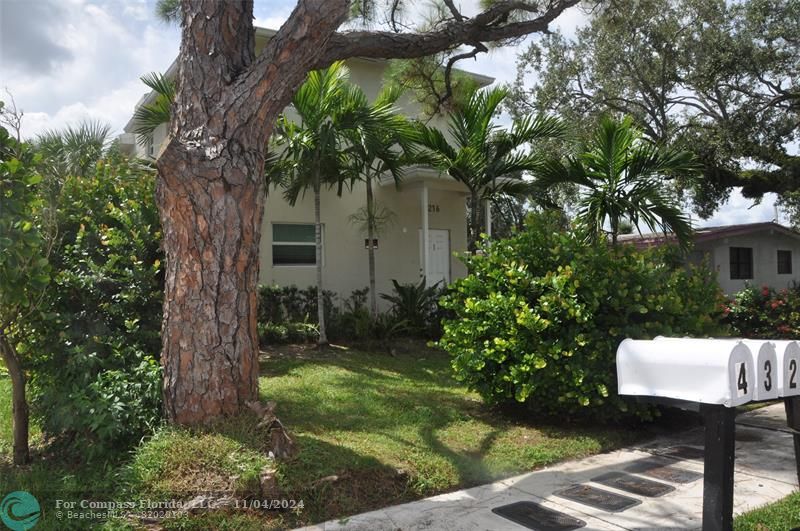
x=765 y=472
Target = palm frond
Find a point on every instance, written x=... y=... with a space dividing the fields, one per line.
x=150 y=115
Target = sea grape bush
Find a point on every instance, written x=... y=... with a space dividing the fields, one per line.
x=97 y=376
x=540 y=315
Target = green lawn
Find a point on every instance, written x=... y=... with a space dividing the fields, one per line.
x=391 y=429
x=5 y=413
x=779 y=516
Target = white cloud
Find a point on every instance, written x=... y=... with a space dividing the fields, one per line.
x=739 y=209
x=110 y=45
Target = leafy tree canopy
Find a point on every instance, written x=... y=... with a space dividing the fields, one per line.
x=720 y=78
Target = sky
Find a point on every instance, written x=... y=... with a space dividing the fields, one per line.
x=64 y=61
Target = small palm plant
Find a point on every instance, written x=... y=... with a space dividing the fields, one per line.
x=413 y=303
x=622 y=177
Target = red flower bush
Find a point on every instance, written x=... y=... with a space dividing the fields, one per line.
x=765 y=313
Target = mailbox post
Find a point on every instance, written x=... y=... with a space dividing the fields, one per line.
x=719 y=374
x=792 y=405
x=720 y=448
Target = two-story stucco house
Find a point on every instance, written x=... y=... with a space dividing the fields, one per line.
x=758 y=254
x=428 y=207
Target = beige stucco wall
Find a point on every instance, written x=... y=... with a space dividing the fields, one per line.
x=765 y=245
x=345 y=266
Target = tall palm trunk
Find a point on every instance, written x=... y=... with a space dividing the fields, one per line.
x=19 y=404
x=323 y=336
x=614 y=232
x=373 y=296
x=474 y=222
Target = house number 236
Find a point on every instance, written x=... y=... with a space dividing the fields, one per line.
x=433 y=207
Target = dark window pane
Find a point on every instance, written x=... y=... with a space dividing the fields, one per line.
x=292 y=232
x=784 y=262
x=741 y=262
x=294 y=255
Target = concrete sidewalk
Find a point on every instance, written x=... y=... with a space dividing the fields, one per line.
x=765 y=472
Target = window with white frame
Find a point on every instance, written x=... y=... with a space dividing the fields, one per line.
x=293 y=244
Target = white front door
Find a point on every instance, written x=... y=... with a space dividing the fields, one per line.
x=438 y=256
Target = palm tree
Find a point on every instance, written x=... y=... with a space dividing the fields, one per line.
x=313 y=153
x=150 y=115
x=622 y=176
x=74 y=150
x=381 y=143
x=484 y=157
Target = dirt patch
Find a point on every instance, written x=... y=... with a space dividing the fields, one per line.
x=354 y=491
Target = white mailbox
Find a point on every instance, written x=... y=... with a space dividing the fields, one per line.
x=789 y=363
x=708 y=371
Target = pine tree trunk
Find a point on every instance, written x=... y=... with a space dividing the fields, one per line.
x=19 y=404
x=373 y=296
x=211 y=217
x=210 y=195
x=323 y=335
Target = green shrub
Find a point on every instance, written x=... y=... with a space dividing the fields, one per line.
x=416 y=305
x=539 y=318
x=765 y=313
x=279 y=334
x=97 y=376
x=284 y=304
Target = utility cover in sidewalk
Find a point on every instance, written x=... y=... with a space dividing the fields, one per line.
x=634 y=484
x=664 y=472
x=684 y=452
x=598 y=498
x=534 y=516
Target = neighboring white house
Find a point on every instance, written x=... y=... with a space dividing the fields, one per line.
x=426 y=202
x=757 y=254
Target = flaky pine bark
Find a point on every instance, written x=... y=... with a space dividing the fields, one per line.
x=19 y=403
x=210 y=190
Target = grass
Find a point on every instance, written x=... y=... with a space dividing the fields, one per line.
x=5 y=414
x=389 y=429
x=779 y=516
x=372 y=430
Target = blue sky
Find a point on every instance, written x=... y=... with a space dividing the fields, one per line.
x=69 y=60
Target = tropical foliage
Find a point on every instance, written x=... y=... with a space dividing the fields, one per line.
x=622 y=178
x=415 y=304
x=764 y=312
x=96 y=375
x=380 y=144
x=311 y=149
x=156 y=111
x=487 y=159
x=72 y=151
x=540 y=315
